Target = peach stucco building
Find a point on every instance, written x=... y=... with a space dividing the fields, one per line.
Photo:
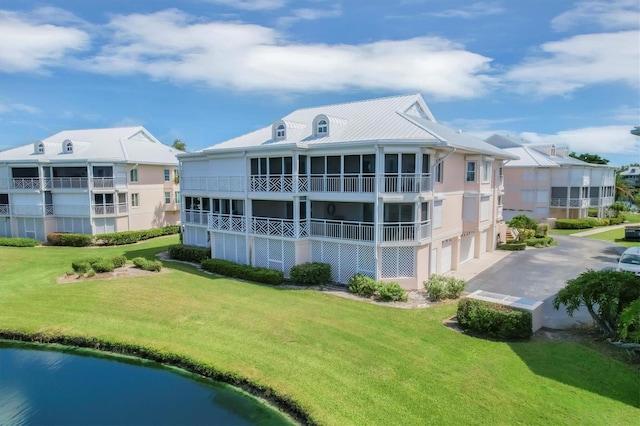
x=89 y=181
x=375 y=187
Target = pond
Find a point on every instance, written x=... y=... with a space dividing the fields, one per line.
x=62 y=388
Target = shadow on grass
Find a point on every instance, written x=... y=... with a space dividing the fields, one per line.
x=575 y=368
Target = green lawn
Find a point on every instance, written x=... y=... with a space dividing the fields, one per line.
x=345 y=362
x=614 y=236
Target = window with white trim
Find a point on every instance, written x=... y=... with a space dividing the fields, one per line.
x=135 y=200
x=323 y=127
x=177 y=197
x=40 y=148
x=280 y=131
x=438 y=172
x=486 y=171
x=167 y=175
x=167 y=197
x=436 y=219
x=68 y=147
x=133 y=175
x=471 y=171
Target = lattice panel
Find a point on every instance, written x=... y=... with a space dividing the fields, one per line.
x=275 y=254
x=261 y=252
x=331 y=255
x=406 y=262
x=348 y=262
x=389 y=258
x=241 y=249
x=367 y=261
x=398 y=262
x=289 y=256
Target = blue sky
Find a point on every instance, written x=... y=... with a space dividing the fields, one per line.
x=204 y=71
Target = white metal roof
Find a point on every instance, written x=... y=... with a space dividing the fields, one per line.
x=392 y=119
x=117 y=144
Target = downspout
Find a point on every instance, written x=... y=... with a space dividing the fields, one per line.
x=437 y=162
x=376 y=205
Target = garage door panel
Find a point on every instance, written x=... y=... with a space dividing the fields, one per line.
x=445 y=257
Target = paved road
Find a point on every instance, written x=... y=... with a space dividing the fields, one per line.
x=540 y=273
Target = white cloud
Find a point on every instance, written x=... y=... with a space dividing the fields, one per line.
x=594 y=140
x=8 y=108
x=309 y=15
x=29 y=44
x=471 y=11
x=171 y=45
x=576 y=62
x=251 y=4
x=609 y=15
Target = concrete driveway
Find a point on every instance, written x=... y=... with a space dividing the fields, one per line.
x=540 y=273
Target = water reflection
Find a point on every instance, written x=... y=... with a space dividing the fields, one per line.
x=43 y=387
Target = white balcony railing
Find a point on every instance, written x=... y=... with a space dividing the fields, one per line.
x=271 y=226
x=29 y=211
x=342 y=183
x=227 y=222
x=278 y=183
x=601 y=201
x=26 y=183
x=570 y=202
x=346 y=230
x=212 y=183
x=405 y=231
x=109 y=209
x=4 y=210
x=406 y=182
x=196 y=217
x=499 y=212
x=68 y=182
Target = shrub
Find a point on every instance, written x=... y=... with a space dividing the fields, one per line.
x=577 y=223
x=119 y=261
x=81 y=266
x=18 y=242
x=130 y=237
x=363 y=285
x=245 y=272
x=542 y=230
x=616 y=220
x=440 y=287
x=513 y=246
x=494 y=320
x=104 y=265
x=311 y=273
x=391 y=292
x=146 y=264
x=193 y=254
x=69 y=240
x=522 y=221
x=539 y=242
x=525 y=234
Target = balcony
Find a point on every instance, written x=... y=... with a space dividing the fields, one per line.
x=29 y=210
x=26 y=183
x=343 y=230
x=107 y=182
x=278 y=183
x=68 y=210
x=406 y=182
x=109 y=209
x=4 y=210
x=196 y=217
x=601 y=201
x=227 y=222
x=66 y=183
x=577 y=203
x=405 y=231
x=212 y=183
x=275 y=226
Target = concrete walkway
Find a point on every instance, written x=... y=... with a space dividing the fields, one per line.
x=470 y=269
x=598 y=230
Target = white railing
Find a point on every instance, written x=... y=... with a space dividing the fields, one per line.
x=37 y=210
x=425 y=229
x=196 y=217
x=601 y=201
x=102 y=182
x=570 y=202
x=342 y=183
x=340 y=229
x=25 y=183
x=404 y=231
x=109 y=209
x=4 y=210
x=276 y=183
x=406 y=182
x=270 y=226
x=68 y=182
x=227 y=222
x=499 y=212
x=71 y=210
x=212 y=183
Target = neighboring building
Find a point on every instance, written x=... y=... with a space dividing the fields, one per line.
x=376 y=187
x=632 y=176
x=545 y=182
x=88 y=181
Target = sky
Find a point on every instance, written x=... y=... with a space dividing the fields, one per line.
x=204 y=71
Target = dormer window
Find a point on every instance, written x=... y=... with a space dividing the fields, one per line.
x=280 y=132
x=40 y=148
x=553 y=150
x=68 y=147
x=323 y=127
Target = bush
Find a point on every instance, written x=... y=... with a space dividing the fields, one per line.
x=539 y=242
x=245 y=272
x=103 y=265
x=193 y=254
x=18 y=242
x=616 y=220
x=69 y=240
x=146 y=264
x=81 y=266
x=363 y=285
x=523 y=222
x=311 y=273
x=119 y=261
x=494 y=320
x=513 y=246
x=542 y=230
x=440 y=287
x=525 y=234
x=577 y=223
x=130 y=237
x=391 y=292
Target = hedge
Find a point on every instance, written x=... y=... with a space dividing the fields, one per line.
x=193 y=254
x=539 y=242
x=244 y=272
x=130 y=237
x=577 y=223
x=18 y=242
x=494 y=320
x=311 y=273
x=513 y=246
x=365 y=286
x=69 y=240
x=146 y=264
x=439 y=287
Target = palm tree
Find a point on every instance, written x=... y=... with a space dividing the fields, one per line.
x=623 y=190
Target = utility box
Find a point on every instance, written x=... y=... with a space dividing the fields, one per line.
x=632 y=233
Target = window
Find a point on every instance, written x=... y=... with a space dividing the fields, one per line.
x=133 y=174
x=553 y=150
x=323 y=127
x=167 y=175
x=438 y=172
x=424 y=212
x=135 y=200
x=499 y=200
x=68 y=146
x=471 y=171
x=40 y=148
x=437 y=214
x=486 y=172
x=177 y=197
x=167 y=197
x=280 y=132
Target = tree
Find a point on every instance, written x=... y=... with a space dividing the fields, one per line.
x=605 y=294
x=624 y=191
x=179 y=145
x=589 y=158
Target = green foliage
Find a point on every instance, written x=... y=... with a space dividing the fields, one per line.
x=311 y=273
x=539 y=242
x=18 y=242
x=69 y=240
x=130 y=237
x=392 y=292
x=629 y=325
x=542 y=230
x=513 y=246
x=605 y=294
x=103 y=265
x=146 y=264
x=81 y=266
x=439 y=287
x=193 y=254
x=179 y=145
x=522 y=221
x=494 y=320
x=363 y=285
x=616 y=220
x=525 y=234
x=119 y=261
x=245 y=272
x=589 y=158
x=577 y=223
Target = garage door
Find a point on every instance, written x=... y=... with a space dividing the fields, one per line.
x=467 y=243
x=445 y=257
x=483 y=241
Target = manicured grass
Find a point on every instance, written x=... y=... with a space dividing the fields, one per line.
x=343 y=361
x=567 y=231
x=614 y=236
